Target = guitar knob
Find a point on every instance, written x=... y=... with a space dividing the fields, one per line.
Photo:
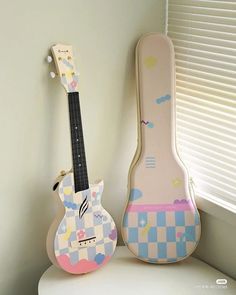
x=52 y=75
x=55 y=186
x=49 y=59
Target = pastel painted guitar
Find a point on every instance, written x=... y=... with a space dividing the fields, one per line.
x=83 y=236
x=161 y=223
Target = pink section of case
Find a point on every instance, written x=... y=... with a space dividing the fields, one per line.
x=158 y=207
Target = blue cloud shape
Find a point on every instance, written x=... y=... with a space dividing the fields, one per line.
x=162 y=99
x=135 y=194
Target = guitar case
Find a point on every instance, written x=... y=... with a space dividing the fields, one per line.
x=161 y=223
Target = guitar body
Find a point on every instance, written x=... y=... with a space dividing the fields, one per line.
x=83 y=236
x=161 y=223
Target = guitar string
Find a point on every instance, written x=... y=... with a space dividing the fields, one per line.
x=78 y=146
x=73 y=123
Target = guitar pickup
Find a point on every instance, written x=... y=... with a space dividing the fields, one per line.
x=84 y=243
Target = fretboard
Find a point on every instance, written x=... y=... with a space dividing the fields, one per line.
x=77 y=144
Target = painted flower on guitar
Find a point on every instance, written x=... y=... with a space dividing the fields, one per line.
x=73 y=84
x=179 y=234
x=81 y=234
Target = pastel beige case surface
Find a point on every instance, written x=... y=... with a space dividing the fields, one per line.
x=161 y=223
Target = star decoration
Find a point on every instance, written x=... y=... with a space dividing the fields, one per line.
x=142 y=222
x=150 y=61
x=176 y=182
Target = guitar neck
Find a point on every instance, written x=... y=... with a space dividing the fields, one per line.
x=77 y=144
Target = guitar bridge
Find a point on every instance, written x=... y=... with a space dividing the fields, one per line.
x=84 y=243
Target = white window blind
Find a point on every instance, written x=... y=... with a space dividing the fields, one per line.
x=204 y=37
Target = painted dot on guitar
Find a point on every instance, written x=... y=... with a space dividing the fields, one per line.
x=77 y=139
x=80 y=165
x=76 y=127
x=94 y=194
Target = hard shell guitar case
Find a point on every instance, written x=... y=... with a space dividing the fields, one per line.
x=161 y=223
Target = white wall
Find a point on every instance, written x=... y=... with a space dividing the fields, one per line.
x=35 y=143
x=217 y=246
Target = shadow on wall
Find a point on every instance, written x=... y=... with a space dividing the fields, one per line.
x=124 y=142
x=40 y=209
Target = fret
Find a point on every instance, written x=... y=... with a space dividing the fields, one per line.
x=77 y=143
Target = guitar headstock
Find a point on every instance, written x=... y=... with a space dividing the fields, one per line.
x=64 y=62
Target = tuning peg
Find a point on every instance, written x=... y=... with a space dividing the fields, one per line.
x=52 y=75
x=49 y=59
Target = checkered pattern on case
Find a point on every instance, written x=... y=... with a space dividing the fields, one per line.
x=162 y=236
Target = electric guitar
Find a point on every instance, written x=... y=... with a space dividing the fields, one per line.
x=83 y=236
x=161 y=223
